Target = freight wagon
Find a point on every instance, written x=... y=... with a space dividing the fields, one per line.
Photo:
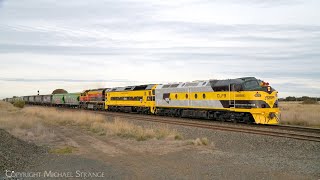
x=47 y=100
x=58 y=100
x=72 y=100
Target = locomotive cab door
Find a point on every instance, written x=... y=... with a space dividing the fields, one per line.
x=232 y=95
x=144 y=99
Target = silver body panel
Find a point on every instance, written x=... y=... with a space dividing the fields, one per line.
x=189 y=87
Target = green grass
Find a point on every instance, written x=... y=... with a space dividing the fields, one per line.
x=63 y=150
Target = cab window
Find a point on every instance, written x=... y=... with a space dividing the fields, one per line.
x=251 y=85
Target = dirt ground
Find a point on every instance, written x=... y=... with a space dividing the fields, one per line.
x=122 y=158
x=72 y=152
x=118 y=158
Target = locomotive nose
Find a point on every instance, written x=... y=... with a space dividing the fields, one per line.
x=272 y=115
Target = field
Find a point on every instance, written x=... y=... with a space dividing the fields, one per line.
x=35 y=122
x=296 y=113
x=292 y=113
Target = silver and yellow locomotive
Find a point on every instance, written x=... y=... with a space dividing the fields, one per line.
x=238 y=100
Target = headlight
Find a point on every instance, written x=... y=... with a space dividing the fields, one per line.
x=272 y=115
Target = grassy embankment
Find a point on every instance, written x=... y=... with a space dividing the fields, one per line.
x=36 y=118
x=35 y=123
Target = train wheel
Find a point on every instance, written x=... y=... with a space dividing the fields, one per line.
x=247 y=119
x=222 y=119
x=178 y=113
x=233 y=118
x=156 y=111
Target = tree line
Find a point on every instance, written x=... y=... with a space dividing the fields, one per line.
x=304 y=99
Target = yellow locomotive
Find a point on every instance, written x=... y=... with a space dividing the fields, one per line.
x=246 y=100
x=131 y=99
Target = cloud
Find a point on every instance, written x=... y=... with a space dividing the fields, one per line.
x=64 y=80
x=125 y=42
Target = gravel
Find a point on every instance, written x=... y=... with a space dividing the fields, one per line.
x=249 y=155
x=20 y=156
x=16 y=154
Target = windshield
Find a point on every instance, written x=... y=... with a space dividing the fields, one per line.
x=251 y=85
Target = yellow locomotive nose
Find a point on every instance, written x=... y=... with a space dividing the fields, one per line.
x=268 y=116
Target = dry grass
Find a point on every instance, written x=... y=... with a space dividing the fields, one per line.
x=7 y=107
x=199 y=142
x=35 y=122
x=295 y=113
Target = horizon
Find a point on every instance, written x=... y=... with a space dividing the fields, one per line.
x=69 y=80
x=76 y=45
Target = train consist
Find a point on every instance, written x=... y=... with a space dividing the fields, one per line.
x=247 y=100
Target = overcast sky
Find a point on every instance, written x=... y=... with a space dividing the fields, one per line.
x=81 y=44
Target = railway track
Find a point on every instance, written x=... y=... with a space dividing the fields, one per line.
x=292 y=132
x=294 y=128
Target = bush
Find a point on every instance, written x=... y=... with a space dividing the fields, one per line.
x=59 y=91
x=199 y=142
x=178 y=137
x=204 y=141
x=19 y=103
x=309 y=101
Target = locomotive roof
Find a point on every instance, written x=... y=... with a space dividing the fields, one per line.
x=203 y=83
x=134 y=88
x=184 y=84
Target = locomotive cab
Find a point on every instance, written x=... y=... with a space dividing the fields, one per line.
x=254 y=84
x=264 y=98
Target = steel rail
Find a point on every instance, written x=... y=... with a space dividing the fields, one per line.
x=258 y=131
x=252 y=129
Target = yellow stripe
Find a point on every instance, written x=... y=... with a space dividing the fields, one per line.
x=243 y=95
x=270 y=99
x=252 y=110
